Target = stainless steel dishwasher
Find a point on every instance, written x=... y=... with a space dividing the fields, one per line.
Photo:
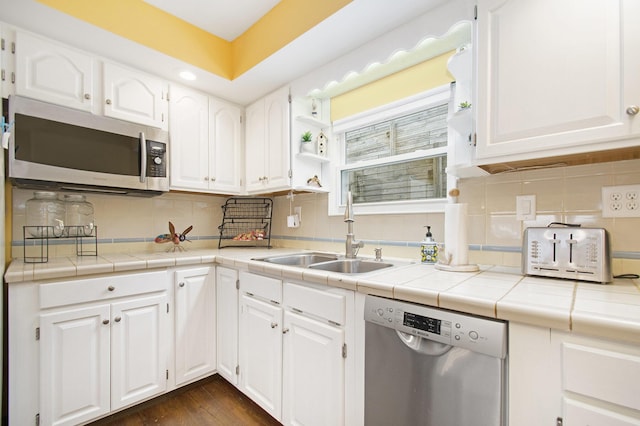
x=432 y=367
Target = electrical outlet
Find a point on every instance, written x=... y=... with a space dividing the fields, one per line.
x=621 y=201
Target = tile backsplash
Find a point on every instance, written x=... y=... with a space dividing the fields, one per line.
x=563 y=194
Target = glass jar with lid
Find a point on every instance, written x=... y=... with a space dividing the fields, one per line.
x=78 y=215
x=45 y=215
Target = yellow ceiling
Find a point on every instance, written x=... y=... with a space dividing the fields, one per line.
x=145 y=24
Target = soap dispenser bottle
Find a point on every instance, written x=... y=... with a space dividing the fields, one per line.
x=428 y=248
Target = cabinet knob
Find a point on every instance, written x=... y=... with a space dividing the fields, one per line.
x=285 y=331
x=633 y=109
x=108 y=101
x=206 y=178
x=87 y=96
x=181 y=284
x=105 y=322
x=117 y=319
x=274 y=324
x=111 y=288
x=213 y=179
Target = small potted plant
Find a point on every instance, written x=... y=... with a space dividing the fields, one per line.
x=464 y=105
x=306 y=142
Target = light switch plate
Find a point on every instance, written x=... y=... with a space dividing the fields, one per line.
x=525 y=207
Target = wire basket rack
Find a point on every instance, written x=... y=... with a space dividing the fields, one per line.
x=36 y=240
x=246 y=222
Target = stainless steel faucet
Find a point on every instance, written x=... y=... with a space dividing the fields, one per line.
x=352 y=245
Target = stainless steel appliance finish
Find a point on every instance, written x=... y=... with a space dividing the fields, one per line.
x=60 y=148
x=431 y=367
x=567 y=252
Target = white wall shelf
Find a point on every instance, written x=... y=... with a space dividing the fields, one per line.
x=312 y=121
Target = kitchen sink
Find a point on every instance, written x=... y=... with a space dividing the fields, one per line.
x=350 y=266
x=299 y=259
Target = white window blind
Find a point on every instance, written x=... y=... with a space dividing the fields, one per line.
x=401 y=159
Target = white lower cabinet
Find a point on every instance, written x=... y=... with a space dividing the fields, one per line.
x=138 y=349
x=195 y=324
x=75 y=367
x=575 y=380
x=261 y=353
x=82 y=348
x=227 y=323
x=313 y=364
x=293 y=357
x=600 y=382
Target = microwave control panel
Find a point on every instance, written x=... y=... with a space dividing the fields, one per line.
x=156 y=159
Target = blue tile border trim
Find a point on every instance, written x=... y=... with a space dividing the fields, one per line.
x=389 y=243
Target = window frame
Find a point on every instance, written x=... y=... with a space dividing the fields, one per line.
x=406 y=106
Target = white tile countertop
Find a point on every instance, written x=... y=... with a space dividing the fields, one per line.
x=610 y=311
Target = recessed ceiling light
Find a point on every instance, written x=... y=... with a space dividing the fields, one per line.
x=187 y=75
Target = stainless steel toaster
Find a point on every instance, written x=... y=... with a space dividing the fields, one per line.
x=567 y=252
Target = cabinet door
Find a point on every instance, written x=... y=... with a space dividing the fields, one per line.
x=138 y=349
x=255 y=147
x=133 y=96
x=74 y=365
x=261 y=353
x=277 y=139
x=314 y=382
x=53 y=73
x=227 y=321
x=225 y=135
x=188 y=127
x=195 y=324
x=556 y=77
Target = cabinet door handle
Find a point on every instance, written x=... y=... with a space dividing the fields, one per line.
x=181 y=284
x=633 y=109
x=274 y=324
x=111 y=288
x=87 y=96
x=285 y=331
x=117 y=319
x=105 y=322
x=108 y=101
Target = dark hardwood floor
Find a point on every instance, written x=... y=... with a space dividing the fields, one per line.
x=211 y=401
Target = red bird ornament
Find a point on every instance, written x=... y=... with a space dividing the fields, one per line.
x=173 y=237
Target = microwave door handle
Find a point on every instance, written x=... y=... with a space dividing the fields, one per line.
x=143 y=158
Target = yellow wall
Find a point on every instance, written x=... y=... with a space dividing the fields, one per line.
x=145 y=24
x=288 y=20
x=416 y=79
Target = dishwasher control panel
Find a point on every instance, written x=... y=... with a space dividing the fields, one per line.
x=478 y=334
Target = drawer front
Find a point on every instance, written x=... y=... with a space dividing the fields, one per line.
x=607 y=375
x=264 y=287
x=320 y=303
x=102 y=288
x=577 y=413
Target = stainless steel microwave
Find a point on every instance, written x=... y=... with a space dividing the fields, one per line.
x=61 y=148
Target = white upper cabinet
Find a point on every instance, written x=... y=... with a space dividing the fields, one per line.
x=134 y=96
x=267 y=154
x=188 y=127
x=206 y=142
x=556 y=77
x=53 y=73
x=225 y=133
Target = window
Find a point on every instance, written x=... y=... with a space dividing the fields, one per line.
x=394 y=159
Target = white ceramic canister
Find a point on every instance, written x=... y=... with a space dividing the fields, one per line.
x=45 y=215
x=78 y=215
